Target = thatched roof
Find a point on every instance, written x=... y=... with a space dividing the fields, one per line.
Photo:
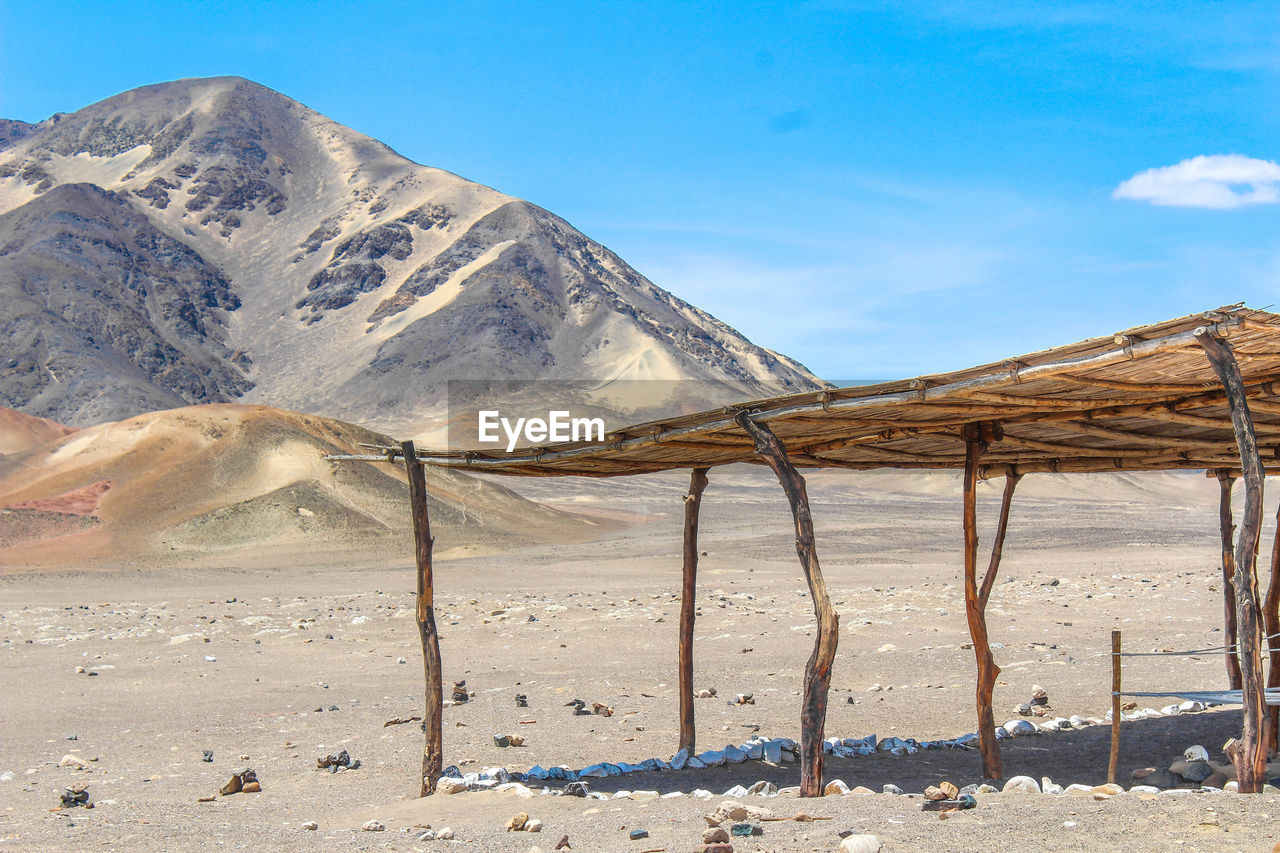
x=1142 y=399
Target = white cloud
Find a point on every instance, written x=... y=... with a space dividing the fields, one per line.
x=1218 y=181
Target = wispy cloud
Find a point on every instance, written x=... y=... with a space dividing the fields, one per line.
x=1218 y=181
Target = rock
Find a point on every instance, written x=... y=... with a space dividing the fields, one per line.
x=743 y=699
x=834 y=788
x=860 y=844
x=310 y=826
x=1196 y=753
x=374 y=826
x=1111 y=789
x=76 y=795
x=1162 y=779
x=1144 y=789
x=1021 y=784
x=452 y=785
x=892 y=789
x=460 y=693
x=444 y=834
x=637 y=834
x=746 y=830
x=534 y=825
x=575 y=789
x=1197 y=771
x=984 y=788
x=1217 y=780
x=516 y=824
x=1048 y=786
x=250 y=788
x=763 y=788
x=1232 y=787
x=716 y=848
x=736 y=791
x=207 y=756
x=1075 y=790
x=335 y=761
x=75 y=761
x=965 y=801
x=861 y=789
x=933 y=792
x=522 y=701
x=1019 y=728
x=426 y=835
x=715 y=835
x=502 y=740
x=563 y=843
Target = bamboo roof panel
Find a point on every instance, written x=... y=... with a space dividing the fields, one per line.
x=1142 y=399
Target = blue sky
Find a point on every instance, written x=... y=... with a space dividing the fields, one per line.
x=878 y=190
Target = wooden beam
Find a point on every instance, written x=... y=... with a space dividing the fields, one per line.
x=817 y=672
x=1271 y=620
x=1249 y=756
x=977 y=438
x=433 y=708
x=688 y=596
x=1226 y=525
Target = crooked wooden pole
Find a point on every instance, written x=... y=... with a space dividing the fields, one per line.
x=688 y=595
x=977 y=437
x=817 y=672
x=1271 y=620
x=1225 y=481
x=433 y=709
x=1249 y=754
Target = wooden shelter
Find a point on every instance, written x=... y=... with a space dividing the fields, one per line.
x=1199 y=392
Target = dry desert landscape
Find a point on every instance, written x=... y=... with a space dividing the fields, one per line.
x=273 y=655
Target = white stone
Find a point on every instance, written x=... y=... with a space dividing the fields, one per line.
x=621 y=795
x=736 y=791
x=1076 y=789
x=451 y=785
x=754 y=750
x=1144 y=789
x=1191 y=706
x=444 y=834
x=1018 y=728
x=1021 y=784
x=1048 y=786
x=861 y=844
x=522 y=791
x=373 y=826
x=675 y=795
x=1196 y=753
x=1232 y=787
x=834 y=788
x=75 y=761
x=701 y=794
x=533 y=825
x=644 y=795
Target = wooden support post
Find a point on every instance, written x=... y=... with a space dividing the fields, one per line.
x=817 y=673
x=1225 y=481
x=1250 y=758
x=1116 y=712
x=1271 y=620
x=432 y=711
x=977 y=437
x=688 y=595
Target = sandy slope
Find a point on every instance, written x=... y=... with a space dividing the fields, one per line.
x=19 y=431
x=183 y=482
x=291 y=633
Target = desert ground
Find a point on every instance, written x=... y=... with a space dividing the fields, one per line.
x=274 y=657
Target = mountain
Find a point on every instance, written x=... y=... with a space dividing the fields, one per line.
x=212 y=240
x=202 y=480
x=21 y=432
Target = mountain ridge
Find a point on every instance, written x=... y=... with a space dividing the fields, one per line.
x=366 y=281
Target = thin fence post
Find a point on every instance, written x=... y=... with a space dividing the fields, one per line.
x=1115 y=707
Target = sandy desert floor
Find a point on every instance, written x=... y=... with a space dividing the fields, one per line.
x=273 y=660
